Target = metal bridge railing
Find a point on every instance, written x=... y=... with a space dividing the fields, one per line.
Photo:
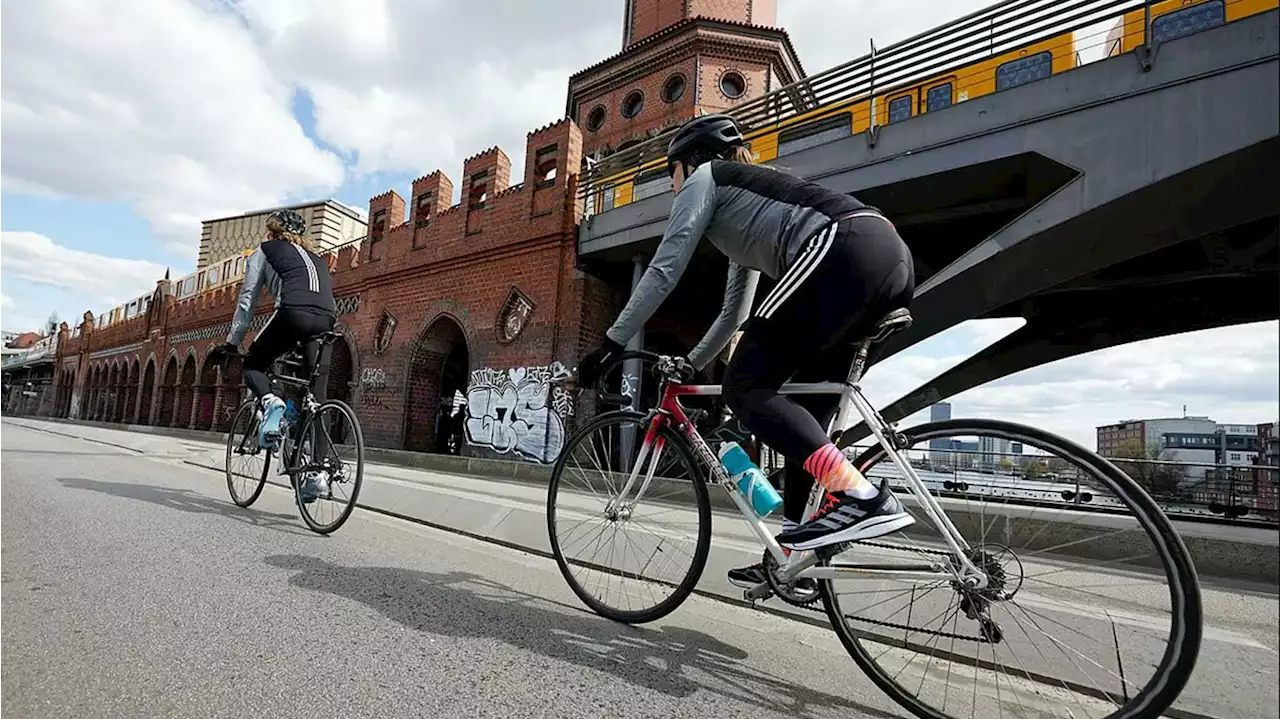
x=990 y=32
x=1235 y=494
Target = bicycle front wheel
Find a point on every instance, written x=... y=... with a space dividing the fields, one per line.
x=1092 y=606
x=247 y=464
x=629 y=516
x=331 y=443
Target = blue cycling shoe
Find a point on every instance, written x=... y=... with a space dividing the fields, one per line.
x=315 y=485
x=272 y=412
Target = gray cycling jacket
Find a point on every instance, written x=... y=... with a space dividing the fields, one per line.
x=757 y=216
x=294 y=276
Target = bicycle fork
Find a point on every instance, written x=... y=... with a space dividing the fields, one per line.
x=618 y=507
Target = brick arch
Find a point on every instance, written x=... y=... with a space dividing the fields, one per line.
x=99 y=388
x=117 y=376
x=132 y=378
x=187 y=380
x=208 y=380
x=146 y=388
x=86 y=393
x=346 y=348
x=453 y=310
x=432 y=358
x=168 y=384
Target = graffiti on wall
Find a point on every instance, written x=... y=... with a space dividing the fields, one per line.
x=519 y=410
x=375 y=390
x=373 y=378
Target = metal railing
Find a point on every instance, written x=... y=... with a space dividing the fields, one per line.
x=990 y=32
x=1236 y=494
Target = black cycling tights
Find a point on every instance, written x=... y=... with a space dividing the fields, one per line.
x=286 y=328
x=845 y=279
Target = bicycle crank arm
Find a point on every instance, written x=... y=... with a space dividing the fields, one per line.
x=760 y=591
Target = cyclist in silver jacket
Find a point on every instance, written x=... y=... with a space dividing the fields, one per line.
x=839 y=265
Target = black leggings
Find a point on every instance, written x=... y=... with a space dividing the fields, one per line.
x=846 y=278
x=287 y=327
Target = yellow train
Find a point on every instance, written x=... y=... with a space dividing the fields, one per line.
x=1170 y=19
x=1173 y=19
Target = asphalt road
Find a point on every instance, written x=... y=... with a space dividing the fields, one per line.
x=134 y=588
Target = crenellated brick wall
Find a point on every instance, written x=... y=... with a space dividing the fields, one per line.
x=484 y=294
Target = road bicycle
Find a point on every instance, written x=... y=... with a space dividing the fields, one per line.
x=980 y=580
x=311 y=441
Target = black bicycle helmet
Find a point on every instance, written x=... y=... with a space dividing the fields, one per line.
x=287 y=220
x=702 y=139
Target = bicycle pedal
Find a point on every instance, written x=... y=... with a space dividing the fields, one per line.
x=759 y=592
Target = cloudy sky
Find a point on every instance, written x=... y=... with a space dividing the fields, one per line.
x=125 y=122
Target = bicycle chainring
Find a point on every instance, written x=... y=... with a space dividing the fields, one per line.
x=799 y=596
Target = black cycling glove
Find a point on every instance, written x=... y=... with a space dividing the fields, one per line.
x=589 y=365
x=223 y=351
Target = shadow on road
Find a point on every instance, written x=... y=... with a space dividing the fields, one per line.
x=187 y=500
x=673 y=660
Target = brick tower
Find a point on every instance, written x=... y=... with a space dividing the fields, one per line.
x=679 y=57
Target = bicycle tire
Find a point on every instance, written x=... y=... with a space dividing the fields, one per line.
x=1181 y=652
x=356 y=482
x=680 y=444
x=246 y=408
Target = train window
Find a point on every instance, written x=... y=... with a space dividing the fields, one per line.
x=1188 y=21
x=938 y=97
x=610 y=194
x=188 y=286
x=648 y=184
x=1024 y=70
x=900 y=108
x=812 y=134
x=212 y=277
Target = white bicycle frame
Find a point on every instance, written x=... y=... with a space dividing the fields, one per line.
x=801 y=563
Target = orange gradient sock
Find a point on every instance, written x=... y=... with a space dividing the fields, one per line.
x=829 y=466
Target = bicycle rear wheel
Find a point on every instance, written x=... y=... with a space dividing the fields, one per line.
x=334 y=429
x=1093 y=578
x=586 y=494
x=244 y=479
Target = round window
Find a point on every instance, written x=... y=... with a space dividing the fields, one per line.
x=673 y=88
x=595 y=119
x=733 y=84
x=632 y=104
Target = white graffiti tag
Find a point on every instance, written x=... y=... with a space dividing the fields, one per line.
x=509 y=411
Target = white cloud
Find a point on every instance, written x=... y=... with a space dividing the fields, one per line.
x=412 y=87
x=97 y=278
x=6 y=302
x=166 y=105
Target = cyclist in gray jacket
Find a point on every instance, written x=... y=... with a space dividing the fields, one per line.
x=840 y=266
x=299 y=279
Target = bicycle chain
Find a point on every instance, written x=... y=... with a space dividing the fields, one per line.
x=893 y=625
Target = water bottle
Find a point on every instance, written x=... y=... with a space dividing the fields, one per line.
x=762 y=496
x=289 y=417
